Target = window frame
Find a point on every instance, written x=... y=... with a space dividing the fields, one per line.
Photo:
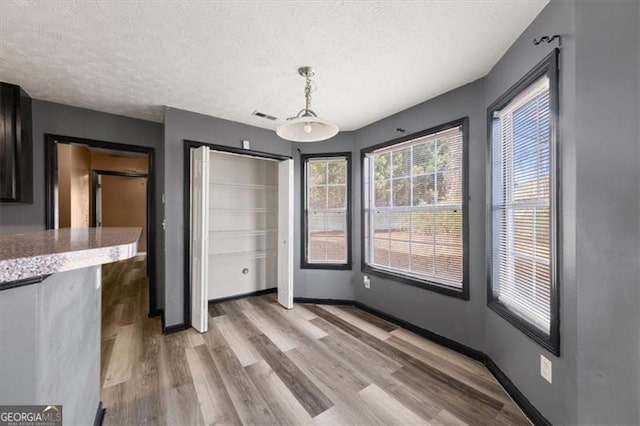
x=304 y=263
x=549 y=67
x=462 y=293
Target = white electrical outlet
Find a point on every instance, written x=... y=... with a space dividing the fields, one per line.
x=545 y=368
x=367 y=282
x=246 y=145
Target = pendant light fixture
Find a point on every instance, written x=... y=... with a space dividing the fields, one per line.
x=306 y=126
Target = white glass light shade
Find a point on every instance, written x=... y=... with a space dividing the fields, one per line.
x=307 y=129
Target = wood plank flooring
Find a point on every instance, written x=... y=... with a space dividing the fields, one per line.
x=262 y=364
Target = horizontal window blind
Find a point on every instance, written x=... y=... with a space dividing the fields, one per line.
x=413 y=208
x=326 y=210
x=521 y=189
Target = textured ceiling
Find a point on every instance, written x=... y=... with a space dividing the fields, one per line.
x=228 y=59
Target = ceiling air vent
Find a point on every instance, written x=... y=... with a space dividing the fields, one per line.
x=263 y=115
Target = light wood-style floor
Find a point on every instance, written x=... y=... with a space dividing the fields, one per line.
x=262 y=364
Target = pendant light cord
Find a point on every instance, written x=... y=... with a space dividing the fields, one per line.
x=307 y=93
x=306 y=111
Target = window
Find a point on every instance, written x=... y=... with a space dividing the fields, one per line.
x=523 y=144
x=414 y=207
x=326 y=219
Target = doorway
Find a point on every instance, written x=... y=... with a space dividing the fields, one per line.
x=74 y=168
x=238 y=226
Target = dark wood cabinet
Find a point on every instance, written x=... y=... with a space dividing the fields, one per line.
x=16 y=148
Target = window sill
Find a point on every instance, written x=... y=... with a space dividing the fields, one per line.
x=327 y=266
x=462 y=293
x=548 y=342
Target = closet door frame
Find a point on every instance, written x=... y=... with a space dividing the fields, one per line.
x=285 y=234
x=188 y=146
x=199 y=240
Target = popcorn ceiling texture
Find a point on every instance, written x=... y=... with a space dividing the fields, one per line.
x=228 y=59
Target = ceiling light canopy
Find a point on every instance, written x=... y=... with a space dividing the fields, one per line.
x=306 y=126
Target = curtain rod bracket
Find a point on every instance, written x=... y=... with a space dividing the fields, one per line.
x=548 y=40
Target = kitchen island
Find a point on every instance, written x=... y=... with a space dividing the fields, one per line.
x=50 y=312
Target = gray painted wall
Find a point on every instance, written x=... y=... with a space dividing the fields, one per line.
x=596 y=379
x=183 y=125
x=66 y=120
x=49 y=117
x=608 y=212
x=515 y=353
x=322 y=283
x=600 y=68
x=178 y=126
x=454 y=318
x=471 y=322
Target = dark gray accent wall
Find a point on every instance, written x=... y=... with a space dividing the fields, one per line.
x=596 y=378
x=471 y=322
x=180 y=125
x=608 y=212
x=451 y=317
x=322 y=283
x=58 y=119
x=516 y=354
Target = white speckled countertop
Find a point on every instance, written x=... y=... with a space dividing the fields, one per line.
x=34 y=254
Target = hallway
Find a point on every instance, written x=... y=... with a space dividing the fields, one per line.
x=262 y=364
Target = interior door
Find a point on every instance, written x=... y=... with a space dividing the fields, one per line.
x=199 y=237
x=285 y=233
x=121 y=201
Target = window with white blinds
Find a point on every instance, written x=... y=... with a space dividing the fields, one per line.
x=326 y=215
x=414 y=208
x=522 y=201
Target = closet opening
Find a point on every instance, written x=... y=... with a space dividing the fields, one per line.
x=238 y=226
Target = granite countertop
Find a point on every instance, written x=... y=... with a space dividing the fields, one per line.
x=34 y=254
